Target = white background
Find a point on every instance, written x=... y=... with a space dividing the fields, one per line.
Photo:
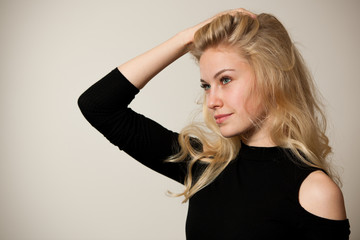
x=61 y=180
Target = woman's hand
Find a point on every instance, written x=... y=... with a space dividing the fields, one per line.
x=190 y=32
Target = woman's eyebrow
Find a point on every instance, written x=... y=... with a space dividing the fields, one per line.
x=218 y=73
x=223 y=70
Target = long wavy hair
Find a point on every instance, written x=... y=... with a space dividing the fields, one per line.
x=286 y=89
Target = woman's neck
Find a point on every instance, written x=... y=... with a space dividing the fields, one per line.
x=260 y=136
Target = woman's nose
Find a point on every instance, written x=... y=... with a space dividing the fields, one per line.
x=214 y=100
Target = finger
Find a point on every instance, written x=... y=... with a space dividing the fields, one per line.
x=244 y=11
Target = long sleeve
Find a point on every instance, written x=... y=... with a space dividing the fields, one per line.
x=105 y=106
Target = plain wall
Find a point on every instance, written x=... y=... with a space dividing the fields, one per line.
x=62 y=180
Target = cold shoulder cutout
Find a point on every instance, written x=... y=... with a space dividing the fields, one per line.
x=320 y=196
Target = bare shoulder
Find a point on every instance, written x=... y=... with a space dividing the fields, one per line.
x=320 y=196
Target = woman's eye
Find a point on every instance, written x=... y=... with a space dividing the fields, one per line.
x=225 y=80
x=205 y=86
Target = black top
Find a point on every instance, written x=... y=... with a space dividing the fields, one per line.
x=255 y=197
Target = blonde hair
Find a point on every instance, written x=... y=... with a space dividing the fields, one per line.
x=286 y=89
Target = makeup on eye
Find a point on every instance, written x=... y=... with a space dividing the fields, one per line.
x=223 y=80
x=204 y=85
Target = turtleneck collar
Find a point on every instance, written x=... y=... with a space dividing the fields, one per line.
x=260 y=153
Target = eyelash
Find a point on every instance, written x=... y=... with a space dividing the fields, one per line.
x=225 y=78
x=206 y=86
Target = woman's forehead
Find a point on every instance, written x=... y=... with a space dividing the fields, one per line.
x=215 y=60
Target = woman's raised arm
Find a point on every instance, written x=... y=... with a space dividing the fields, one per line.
x=156 y=59
x=144 y=67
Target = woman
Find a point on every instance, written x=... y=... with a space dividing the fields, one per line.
x=261 y=170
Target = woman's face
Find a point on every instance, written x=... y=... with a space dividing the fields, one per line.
x=228 y=81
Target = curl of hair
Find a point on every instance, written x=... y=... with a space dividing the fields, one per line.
x=285 y=86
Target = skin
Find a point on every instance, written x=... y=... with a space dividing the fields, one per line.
x=320 y=196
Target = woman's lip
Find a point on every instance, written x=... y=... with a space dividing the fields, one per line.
x=221 y=117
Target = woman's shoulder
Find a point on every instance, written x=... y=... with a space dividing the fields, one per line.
x=321 y=196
